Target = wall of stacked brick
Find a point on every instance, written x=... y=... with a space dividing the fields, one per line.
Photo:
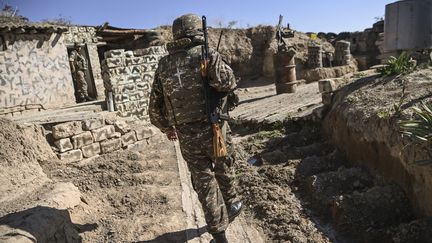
x=129 y=76
x=76 y=140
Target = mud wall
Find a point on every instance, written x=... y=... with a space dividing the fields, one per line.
x=375 y=142
x=250 y=51
x=34 y=73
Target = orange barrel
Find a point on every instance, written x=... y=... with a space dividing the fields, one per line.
x=285 y=72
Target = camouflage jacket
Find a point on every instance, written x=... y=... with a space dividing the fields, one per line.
x=178 y=95
x=78 y=61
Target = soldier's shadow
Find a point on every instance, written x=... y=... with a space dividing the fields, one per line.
x=41 y=224
x=178 y=236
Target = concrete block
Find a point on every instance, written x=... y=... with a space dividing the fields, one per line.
x=120 y=107
x=82 y=140
x=124 y=88
x=148 y=77
x=151 y=58
x=327 y=98
x=117 y=80
x=114 y=62
x=71 y=156
x=134 y=61
x=138 y=146
x=91 y=150
x=111 y=145
x=326 y=85
x=128 y=138
x=123 y=71
x=143 y=103
x=103 y=133
x=136 y=78
x=63 y=144
x=92 y=124
x=114 y=53
x=153 y=50
x=129 y=54
x=68 y=129
x=134 y=69
x=119 y=71
x=143 y=86
x=139 y=95
x=117 y=135
x=144 y=132
x=121 y=98
x=121 y=127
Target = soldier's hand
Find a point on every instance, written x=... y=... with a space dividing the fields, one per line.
x=171 y=135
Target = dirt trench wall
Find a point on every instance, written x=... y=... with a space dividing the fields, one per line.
x=34 y=73
x=250 y=51
x=354 y=126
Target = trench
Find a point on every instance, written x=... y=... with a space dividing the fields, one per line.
x=299 y=187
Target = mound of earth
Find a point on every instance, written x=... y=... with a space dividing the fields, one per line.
x=363 y=121
x=250 y=51
x=22 y=149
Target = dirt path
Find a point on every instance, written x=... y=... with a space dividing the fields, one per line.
x=239 y=231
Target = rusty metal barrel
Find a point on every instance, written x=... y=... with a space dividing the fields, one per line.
x=285 y=72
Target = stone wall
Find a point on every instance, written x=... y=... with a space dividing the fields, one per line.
x=366 y=46
x=129 y=76
x=81 y=34
x=76 y=140
x=34 y=73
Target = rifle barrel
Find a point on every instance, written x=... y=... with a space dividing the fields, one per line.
x=204 y=25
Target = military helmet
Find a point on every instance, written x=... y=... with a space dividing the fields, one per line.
x=187 y=25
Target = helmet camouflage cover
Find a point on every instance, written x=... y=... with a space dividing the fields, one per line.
x=187 y=25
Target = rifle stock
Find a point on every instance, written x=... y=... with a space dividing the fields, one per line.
x=219 y=147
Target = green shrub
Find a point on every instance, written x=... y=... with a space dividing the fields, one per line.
x=396 y=66
x=420 y=128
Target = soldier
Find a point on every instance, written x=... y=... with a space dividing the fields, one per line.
x=78 y=67
x=178 y=108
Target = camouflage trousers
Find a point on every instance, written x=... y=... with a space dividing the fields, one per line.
x=81 y=84
x=213 y=180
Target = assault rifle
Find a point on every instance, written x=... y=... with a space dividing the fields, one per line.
x=212 y=99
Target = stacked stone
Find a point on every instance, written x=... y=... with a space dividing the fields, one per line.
x=315 y=56
x=19 y=110
x=81 y=34
x=151 y=56
x=85 y=139
x=129 y=76
x=343 y=53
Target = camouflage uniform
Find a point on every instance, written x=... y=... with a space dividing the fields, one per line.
x=178 y=100
x=79 y=66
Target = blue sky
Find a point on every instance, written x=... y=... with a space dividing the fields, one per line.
x=304 y=15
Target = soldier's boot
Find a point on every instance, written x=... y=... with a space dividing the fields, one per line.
x=219 y=238
x=81 y=99
x=88 y=98
x=234 y=210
